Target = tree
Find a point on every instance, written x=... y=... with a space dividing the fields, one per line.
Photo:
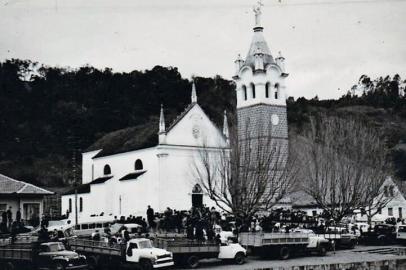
x=249 y=176
x=344 y=165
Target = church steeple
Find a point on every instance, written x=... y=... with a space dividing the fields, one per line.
x=260 y=79
x=226 y=133
x=162 y=128
x=194 y=95
x=162 y=120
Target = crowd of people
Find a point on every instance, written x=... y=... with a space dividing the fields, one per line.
x=12 y=226
x=204 y=223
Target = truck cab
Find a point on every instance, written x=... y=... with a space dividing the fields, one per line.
x=401 y=234
x=53 y=255
x=141 y=250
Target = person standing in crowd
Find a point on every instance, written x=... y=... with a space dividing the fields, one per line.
x=150 y=217
x=9 y=217
x=18 y=215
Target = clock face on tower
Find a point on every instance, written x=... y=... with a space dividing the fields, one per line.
x=275 y=119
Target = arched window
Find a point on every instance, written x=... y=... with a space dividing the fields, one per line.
x=138 y=165
x=80 y=204
x=107 y=169
x=267 y=90
x=70 y=205
x=276 y=90
x=244 y=92
x=253 y=90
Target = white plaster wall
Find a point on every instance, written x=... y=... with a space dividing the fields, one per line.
x=207 y=133
x=178 y=179
x=87 y=161
x=87 y=205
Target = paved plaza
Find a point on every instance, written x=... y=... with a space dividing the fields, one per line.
x=359 y=254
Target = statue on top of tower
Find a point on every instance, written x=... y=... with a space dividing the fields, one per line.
x=258 y=12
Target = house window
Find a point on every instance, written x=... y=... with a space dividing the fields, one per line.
x=314 y=213
x=80 y=204
x=244 y=92
x=107 y=170
x=70 y=205
x=392 y=191
x=138 y=165
x=390 y=212
x=400 y=212
x=267 y=90
x=253 y=90
x=386 y=191
x=3 y=208
x=277 y=91
x=380 y=211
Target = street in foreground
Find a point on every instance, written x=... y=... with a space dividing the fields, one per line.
x=358 y=254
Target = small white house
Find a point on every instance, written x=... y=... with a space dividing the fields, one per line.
x=396 y=206
x=24 y=197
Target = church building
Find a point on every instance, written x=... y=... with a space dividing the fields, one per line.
x=125 y=183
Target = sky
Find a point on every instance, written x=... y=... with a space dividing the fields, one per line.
x=328 y=44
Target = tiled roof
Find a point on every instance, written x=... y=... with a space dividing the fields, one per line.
x=134 y=138
x=84 y=188
x=258 y=43
x=10 y=186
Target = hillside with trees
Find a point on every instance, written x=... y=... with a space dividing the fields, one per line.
x=49 y=112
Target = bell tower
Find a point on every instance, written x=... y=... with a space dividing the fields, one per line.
x=261 y=90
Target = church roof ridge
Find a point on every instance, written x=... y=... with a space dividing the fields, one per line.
x=180 y=116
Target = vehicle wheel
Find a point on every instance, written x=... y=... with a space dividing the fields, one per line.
x=192 y=261
x=382 y=240
x=59 y=266
x=284 y=253
x=9 y=266
x=239 y=258
x=352 y=244
x=322 y=250
x=146 y=265
x=92 y=262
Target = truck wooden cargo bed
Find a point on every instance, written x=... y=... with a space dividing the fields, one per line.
x=97 y=247
x=15 y=254
x=259 y=239
x=184 y=245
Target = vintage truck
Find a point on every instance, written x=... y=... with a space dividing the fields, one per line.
x=188 y=252
x=138 y=251
x=283 y=245
x=50 y=255
x=381 y=234
x=340 y=236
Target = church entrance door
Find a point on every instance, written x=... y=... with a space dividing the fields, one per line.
x=197 y=196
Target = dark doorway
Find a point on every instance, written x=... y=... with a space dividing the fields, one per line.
x=197 y=196
x=197 y=200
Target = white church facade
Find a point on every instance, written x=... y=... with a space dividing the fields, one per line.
x=162 y=176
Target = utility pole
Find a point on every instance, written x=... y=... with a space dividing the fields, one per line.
x=74 y=169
